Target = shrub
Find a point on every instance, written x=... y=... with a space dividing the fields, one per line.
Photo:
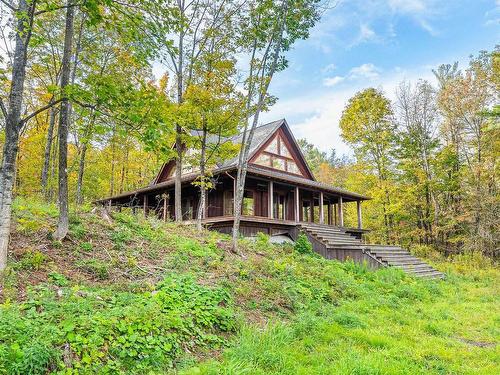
x=262 y=241
x=101 y=331
x=58 y=279
x=303 y=245
x=31 y=260
x=95 y=267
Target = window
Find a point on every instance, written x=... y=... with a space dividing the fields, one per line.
x=279 y=206
x=248 y=208
x=291 y=167
x=273 y=146
x=228 y=203
x=306 y=210
x=284 y=150
x=278 y=164
x=187 y=209
x=263 y=159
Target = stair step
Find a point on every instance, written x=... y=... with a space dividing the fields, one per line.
x=319 y=229
x=411 y=262
x=330 y=235
x=339 y=239
x=418 y=266
x=335 y=238
x=383 y=247
x=428 y=274
x=389 y=252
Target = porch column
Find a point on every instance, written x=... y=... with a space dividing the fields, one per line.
x=321 y=213
x=164 y=207
x=341 y=213
x=297 y=204
x=359 y=214
x=234 y=199
x=271 y=199
x=334 y=207
x=145 y=206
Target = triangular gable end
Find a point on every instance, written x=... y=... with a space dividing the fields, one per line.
x=281 y=152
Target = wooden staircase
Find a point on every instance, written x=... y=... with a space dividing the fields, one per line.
x=336 y=239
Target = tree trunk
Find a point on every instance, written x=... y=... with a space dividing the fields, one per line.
x=113 y=161
x=81 y=170
x=64 y=118
x=244 y=151
x=46 y=154
x=203 y=189
x=124 y=170
x=178 y=128
x=13 y=124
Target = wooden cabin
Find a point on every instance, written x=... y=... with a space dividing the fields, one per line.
x=280 y=190
x=282 y=197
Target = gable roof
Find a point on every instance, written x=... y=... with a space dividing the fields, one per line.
x=261 y=135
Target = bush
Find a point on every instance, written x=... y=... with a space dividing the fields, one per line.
x=303 y=245
x=31 y=260
x=103 y=331
x=95 y=267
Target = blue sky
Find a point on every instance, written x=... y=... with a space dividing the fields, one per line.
x=378 y=43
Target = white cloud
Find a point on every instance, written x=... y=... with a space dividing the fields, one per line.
x=315 y=115
x=330 y=68
x=366 y=34
x=363 y=72
x=493 y=16
x=329 y=82
x=368 y=71
x=336 y=27
x=408 y=6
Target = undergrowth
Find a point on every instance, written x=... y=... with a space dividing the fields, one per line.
x=143 y=296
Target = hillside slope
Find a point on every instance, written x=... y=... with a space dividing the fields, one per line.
x=142 y=296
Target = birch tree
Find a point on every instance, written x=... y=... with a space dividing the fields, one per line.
x=269 y=29
x=24 y=14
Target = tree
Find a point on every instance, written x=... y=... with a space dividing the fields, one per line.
x=24 y=15
x=197 y=23
x=464 y=101
x=417 y=117
x=63 y=130
x=268 y=30
x=216 y=109
x=367 y=125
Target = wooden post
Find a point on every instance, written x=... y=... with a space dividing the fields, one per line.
x=334 y=206
x=297 y=205
x=359 y=214
x=164 y=207
x=234 y=198
x=341 y=213
x=271 y=199
x=321 y=213
x=329 y=213
x=145 y=206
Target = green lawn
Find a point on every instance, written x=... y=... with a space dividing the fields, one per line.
x=143 y=297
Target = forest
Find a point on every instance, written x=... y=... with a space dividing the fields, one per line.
x=96 y=95
x=82 y=110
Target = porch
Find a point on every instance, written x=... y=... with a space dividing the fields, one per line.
x=272 y=203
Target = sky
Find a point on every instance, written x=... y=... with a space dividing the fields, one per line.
x=374 y=43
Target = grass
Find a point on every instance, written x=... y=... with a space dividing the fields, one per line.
x=142 y=296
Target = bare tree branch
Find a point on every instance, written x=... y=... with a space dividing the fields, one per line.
x=40 y=110
x=10 y=6
x=4 y=110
